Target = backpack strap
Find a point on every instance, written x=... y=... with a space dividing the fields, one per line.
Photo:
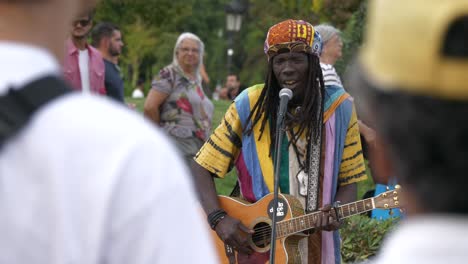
x=18 y=105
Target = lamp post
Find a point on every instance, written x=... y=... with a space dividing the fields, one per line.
x=234 y=11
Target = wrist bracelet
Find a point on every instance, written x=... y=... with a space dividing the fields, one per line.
x=215 y=223
x=215 y=217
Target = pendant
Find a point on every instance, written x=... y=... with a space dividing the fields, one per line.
x=303 y=180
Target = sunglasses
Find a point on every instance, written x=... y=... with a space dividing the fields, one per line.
x=82 y=22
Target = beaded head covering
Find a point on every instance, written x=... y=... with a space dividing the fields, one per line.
x=293 y=36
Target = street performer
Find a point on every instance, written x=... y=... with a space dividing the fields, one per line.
x=321 y=155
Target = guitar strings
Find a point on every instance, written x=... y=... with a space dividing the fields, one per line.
x=263 y=234
x=266 y=230
x=268 y=227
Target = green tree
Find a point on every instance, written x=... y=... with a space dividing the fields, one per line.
x=140 y=41
x=352 y=36
x=166 y=19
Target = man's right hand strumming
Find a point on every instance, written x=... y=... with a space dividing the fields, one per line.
x=234 y=234
x=230 y=230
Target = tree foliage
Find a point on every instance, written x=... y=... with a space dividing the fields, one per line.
x=352 y=36
x=150 y=29
x=140 y=41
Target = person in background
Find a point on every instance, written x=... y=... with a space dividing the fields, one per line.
x=332 y=47
x=205 y=80
x=85 y=181
x=139 y=91
x=83 y=66
x=223 y=94
x=176 y=101
x=411 y=81
x=321 y=124
x=233 y=86
x=107 y=38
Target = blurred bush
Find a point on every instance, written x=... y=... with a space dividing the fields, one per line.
x=362 y=237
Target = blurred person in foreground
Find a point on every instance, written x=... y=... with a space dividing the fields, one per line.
x=411 y=80
x=85 y=181
x=107 y=38
x=332 y=51
x=322 y=130
x=83 y=66
x=176 y=101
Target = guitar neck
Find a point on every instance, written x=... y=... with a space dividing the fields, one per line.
x=298 y=224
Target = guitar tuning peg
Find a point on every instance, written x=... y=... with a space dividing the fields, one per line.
x=398 y=186
x=388 y=188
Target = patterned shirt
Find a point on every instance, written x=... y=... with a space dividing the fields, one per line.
x=187 y=112
x=227 y=147
x=343 y=162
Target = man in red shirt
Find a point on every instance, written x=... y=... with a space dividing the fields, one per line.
x=83 y=66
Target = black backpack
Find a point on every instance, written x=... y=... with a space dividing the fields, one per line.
x=18 y=105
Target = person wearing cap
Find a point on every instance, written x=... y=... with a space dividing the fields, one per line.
x=322 y=130
x=411 y=80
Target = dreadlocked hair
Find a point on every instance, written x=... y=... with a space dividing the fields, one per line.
x=310 y=117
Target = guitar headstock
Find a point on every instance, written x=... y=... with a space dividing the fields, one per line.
x=389 y=199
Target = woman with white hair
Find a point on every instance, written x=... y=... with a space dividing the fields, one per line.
x=331 y=52
x=176 y=101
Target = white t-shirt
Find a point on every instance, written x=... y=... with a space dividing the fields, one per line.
x=83 y=62
x=89 y=181
x=137 y=93
x=430 y=239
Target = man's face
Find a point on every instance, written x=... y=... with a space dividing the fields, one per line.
x=291 y=71
x=81 y=27
x=115 y=43
x=232 y=82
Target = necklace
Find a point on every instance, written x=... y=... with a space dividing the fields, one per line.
x=302 y=175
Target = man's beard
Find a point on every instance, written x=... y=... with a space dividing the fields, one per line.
x=113 y=52
x=81 y=36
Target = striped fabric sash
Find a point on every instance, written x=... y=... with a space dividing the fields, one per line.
x=254 y=164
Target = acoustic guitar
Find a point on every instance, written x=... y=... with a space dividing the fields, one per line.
x=290 y=226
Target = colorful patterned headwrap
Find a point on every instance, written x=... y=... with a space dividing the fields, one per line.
x=293 y=35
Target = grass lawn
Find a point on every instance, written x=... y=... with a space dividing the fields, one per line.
x=225 y=186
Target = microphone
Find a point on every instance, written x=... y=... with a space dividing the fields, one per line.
x=285 y=95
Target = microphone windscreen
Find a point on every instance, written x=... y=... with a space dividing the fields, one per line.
x=286 y=92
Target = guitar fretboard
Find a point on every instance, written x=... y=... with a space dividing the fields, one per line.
x=308 y=221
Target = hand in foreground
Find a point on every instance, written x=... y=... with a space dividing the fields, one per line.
x=234 y=234
x=131 y=106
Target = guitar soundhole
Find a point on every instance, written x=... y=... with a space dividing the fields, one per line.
x=262 y=235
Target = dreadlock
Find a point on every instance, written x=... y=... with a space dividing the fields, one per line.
x=310 y=117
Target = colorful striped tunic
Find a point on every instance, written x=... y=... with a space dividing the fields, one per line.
x=229 y=146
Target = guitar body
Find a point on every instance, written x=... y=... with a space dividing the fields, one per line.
x=257 y=216
x=291 y=221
